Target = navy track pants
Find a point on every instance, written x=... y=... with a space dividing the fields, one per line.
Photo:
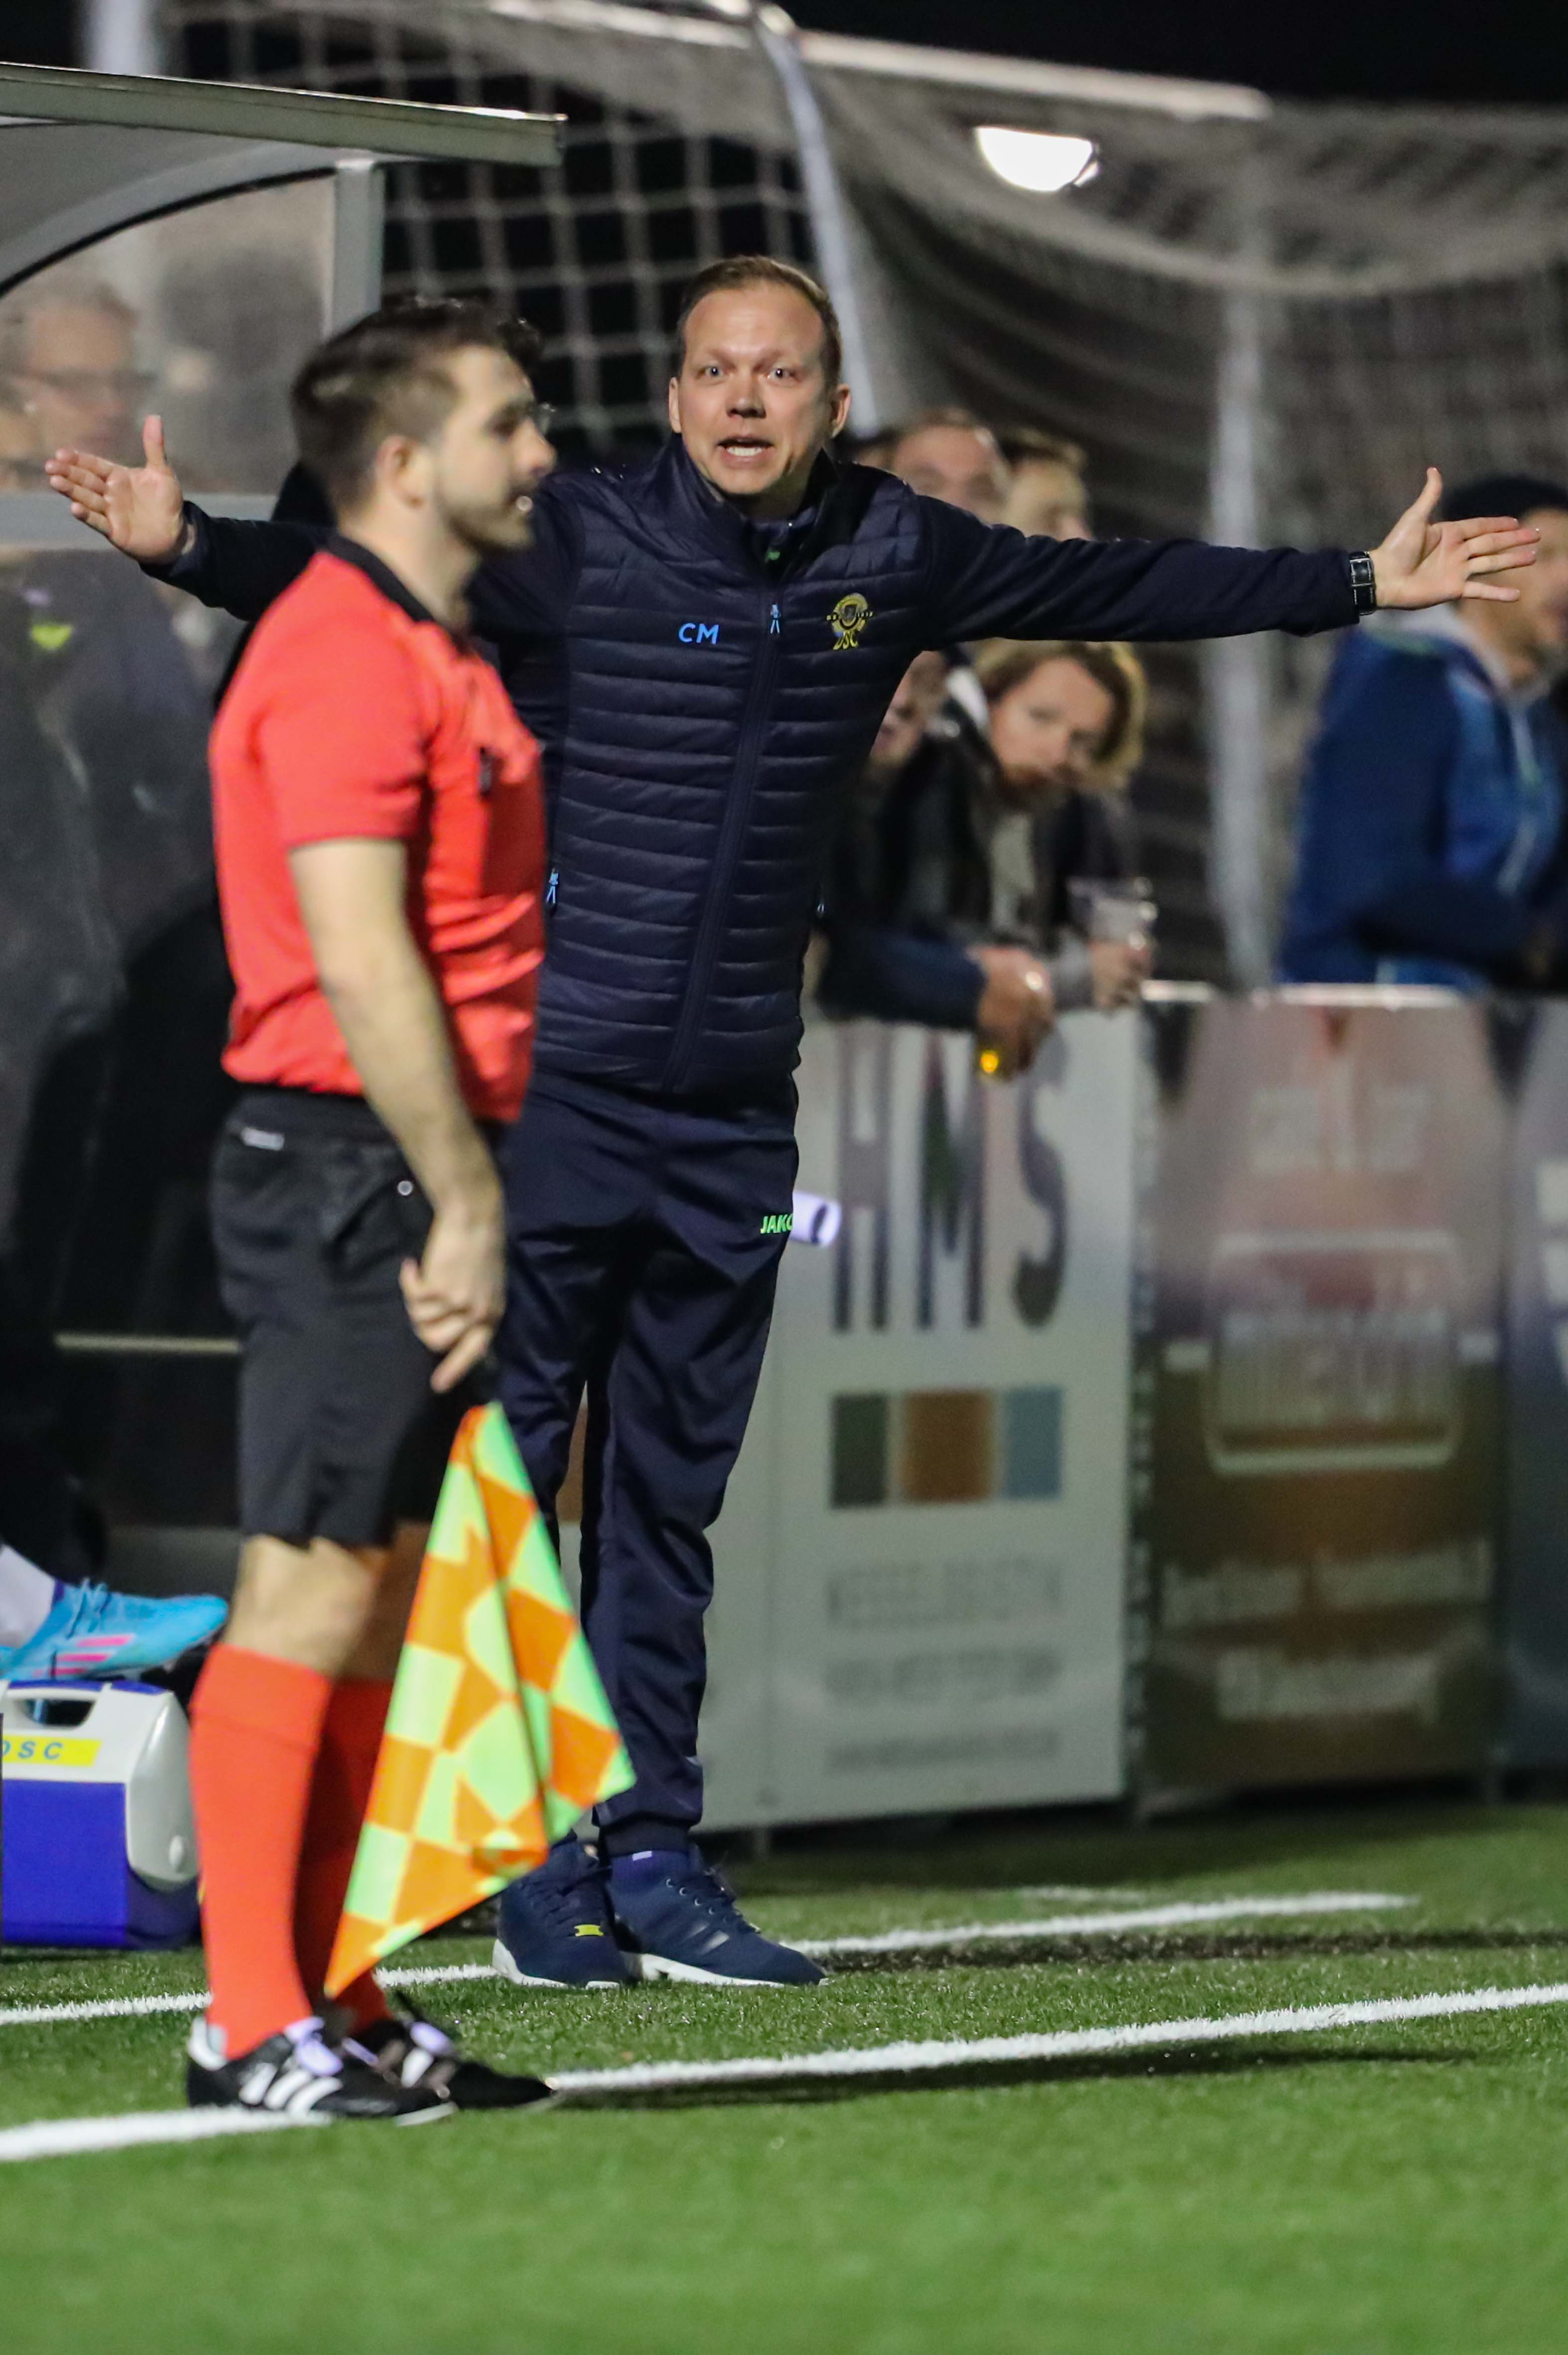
x=643 y=1250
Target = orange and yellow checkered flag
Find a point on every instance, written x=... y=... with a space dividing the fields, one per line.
x=498 y=1735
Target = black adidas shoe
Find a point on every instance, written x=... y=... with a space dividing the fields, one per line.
x=414 y=2053
x=297 y=2073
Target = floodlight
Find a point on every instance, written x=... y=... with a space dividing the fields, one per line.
x=1044 y=162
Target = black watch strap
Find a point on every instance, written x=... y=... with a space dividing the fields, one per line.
x=1364 y=583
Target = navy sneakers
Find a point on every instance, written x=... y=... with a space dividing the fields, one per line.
x=679 y=1922
x=661 y=1913
x=556 y=1930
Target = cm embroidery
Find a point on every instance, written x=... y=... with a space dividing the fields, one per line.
x=698 y=633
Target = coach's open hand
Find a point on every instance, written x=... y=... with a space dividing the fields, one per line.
x=138 y=509
x=1426 y=563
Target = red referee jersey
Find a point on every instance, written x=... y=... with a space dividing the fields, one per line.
x=354 y=712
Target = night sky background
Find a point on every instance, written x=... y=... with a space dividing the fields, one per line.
x=1510 y=54
x=1378 y=48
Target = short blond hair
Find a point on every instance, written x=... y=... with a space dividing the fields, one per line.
x=1026 y=445
x=1002 y=664
x=737 y=272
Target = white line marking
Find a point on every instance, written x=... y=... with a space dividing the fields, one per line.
x=584 y=2085
x=141 y=2007
x=1106 y=1891
x=1082 y=1925
x=56 y=2138
x=435 y=1974
x=64 y=2138
x=890 y=1941
x=134 y=2007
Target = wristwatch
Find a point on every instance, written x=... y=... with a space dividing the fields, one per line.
x=1364 y=583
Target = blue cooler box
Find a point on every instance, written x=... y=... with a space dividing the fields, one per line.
x=99 y=1846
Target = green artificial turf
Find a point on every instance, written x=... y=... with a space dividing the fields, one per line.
x=1389 y=2190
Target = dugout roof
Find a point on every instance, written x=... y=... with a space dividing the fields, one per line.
x=83 y=154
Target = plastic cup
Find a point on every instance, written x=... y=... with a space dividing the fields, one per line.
x=1122 y=911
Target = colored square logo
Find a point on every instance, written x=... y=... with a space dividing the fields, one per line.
x=946 y=1447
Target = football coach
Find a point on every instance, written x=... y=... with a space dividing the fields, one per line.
x=704 y=645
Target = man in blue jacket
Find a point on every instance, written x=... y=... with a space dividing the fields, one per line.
x=1431 y=825
x=705 y=645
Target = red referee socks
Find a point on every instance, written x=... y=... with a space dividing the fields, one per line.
x=340 y=1794
x=256 y=1730
x=281 y=1764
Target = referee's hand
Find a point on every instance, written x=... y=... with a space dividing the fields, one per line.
x=454 y=1294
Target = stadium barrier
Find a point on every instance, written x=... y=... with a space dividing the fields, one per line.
x=1185 y=1414
x=1164 y=1420
x=1535 y=1502
x=1316 y=1448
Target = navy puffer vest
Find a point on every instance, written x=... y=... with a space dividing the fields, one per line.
x=715 y=693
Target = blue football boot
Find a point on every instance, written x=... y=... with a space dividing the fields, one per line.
x=556 y=1930
x=91 y=1631
x=679 y=1920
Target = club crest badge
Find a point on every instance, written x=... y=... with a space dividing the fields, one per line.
x=847 y=620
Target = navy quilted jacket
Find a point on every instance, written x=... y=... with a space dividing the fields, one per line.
x=704 y=685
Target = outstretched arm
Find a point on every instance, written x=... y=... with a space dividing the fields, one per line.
x=239 y=568
x=992 y=581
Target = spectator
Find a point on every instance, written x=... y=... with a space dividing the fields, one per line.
x=950 y=884
x=19 y=467
x=69 y=345
x=858 y=856
x=1432 y=845
x=870 y=449
x=1048 y=497
x=1066 y=727
x=917 y=700
x=234 y=323
x=114 y=998
x=948 y=454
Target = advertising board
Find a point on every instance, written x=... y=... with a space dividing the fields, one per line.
x=946 y=1413
x=1535 y=1626
x=1316 y=1419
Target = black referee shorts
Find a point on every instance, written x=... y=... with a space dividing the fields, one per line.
x=314 y=1210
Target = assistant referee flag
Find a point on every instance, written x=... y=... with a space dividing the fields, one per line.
x=499 y=1735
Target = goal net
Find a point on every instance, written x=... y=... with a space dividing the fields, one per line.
x=1261 y=319
x=594 y=252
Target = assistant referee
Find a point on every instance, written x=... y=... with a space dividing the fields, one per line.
x=380 y=846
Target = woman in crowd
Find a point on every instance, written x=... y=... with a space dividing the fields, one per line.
x=953 y=900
